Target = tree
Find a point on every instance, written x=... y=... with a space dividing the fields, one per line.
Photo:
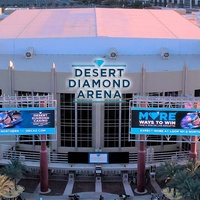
x=178 y=179
x=184 y=178
x=190 y=188
x=6 y=185
x=15 y=169
x=167 y=170
x=192 y=166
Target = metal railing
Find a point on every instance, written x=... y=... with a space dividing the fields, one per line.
x=32 y=156
x=161 y=157
x=62 y=158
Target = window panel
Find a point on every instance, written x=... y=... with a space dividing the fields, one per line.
x=68 y=121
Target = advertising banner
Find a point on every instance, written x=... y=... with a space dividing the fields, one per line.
x=165 y=121
x=27 y=121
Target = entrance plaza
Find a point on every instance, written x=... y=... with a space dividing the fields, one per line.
x=93 y=195
x=98 y=170
x=69 y=180
x=84 y=196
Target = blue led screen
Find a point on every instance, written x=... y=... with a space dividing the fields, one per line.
x=165 y=121
x=26 y=121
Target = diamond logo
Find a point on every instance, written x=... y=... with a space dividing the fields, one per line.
x=154 y=115
x=99 y=62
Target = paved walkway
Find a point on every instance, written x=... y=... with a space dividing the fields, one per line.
x=83 y=196
x=90 y=195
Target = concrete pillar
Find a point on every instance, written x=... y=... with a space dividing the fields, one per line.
x=141 y=166
x=141 y=162
x=97 y=121
x=44 y=181
x=53 y=144
x=193 y=147
x=11 y=78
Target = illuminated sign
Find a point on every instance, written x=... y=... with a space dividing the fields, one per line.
x=98 y=158
x=27 y=121
x=98 y=81
x=165 y=121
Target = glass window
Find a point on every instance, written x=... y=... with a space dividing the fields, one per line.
x=111 y=125
x=125 y=122
x=197 y=93
x=113 y=120
x=69 y=121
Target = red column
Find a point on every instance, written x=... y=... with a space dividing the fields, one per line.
x=44 y=182
x=193 y=148
x=141 y=166
x=44 y=186
x=141 y=162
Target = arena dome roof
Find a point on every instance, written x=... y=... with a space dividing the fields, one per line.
x=81 y=35
x=97 y=22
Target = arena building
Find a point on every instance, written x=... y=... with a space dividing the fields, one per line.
x=155 y=52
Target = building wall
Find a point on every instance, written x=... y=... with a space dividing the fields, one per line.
x=33 y=81
x=100 y=45
x=153 y=81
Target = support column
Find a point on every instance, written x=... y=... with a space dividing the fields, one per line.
x=143 y=73
x=141 y=166
x=53 y=144
x=185 y=79
x=11 y=78
x=141 y=162
x=193 y=148
x=44 y=179
x=97 y=122
x=44 y=182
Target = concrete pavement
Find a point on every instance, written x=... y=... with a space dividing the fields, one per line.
x=83 y=196
x=91 y=195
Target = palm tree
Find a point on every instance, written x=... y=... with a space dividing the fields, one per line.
x=6 y=185
x=192 y=166
x=190 y=189
x=15 y=169
x=178 y=179
x=167 y=170
x=197 y=174
x=184 y=178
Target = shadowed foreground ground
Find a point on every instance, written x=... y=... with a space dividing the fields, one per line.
x=58 y=186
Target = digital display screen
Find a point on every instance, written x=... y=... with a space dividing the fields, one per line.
x=26 y=121
x=165 y=121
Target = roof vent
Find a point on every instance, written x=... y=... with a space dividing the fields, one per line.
x=29 y=53
x=113 y=53
x=164 y=53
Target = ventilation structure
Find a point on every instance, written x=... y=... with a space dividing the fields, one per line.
x=29 y=53
x=164 y=53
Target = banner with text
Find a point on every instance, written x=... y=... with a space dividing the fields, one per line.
x=27 y=121
x=165 y=121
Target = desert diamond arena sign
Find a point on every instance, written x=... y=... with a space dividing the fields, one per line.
x=98 y=81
